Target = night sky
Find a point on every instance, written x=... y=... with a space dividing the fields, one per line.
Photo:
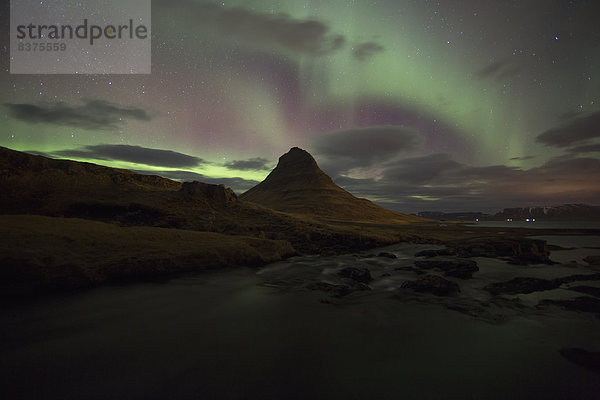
x=471 y=105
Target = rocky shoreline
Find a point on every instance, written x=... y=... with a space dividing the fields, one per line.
x=456 y=280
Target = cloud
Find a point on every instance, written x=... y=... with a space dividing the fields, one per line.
x=254 y=164
x=366 y=50
x=302 y=36
x=522 y=158
x=420 y=169
x=363 y=147
x=134 y=154
x=439 y=183
x=238 y=185
x=38 y=153
x=92 y=114
x=570 y=115
x=588 y=148
x=500 y=70
x=575 y=131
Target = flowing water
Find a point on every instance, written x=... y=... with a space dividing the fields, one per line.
x=262 y=334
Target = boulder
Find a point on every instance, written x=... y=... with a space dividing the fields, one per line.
x=217 y=193
x=358 y=274
x=432 y=284
x=593 y=261
x=411 y=269
x=522 y=285
x=587 y=359
x=582 y=303
x=521 y=251
x=459 y=268
x=386 y=255
x=433 y=253
x=336 y=290
x=591 y=290
x=580 y=277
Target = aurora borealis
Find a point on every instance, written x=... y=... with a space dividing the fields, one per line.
x=417 y=105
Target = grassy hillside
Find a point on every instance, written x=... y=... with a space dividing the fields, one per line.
x=43 y=253
x=38 y=185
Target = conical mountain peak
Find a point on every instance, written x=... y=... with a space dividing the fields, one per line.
x=297 y=168
x=297 y=185
x=296 y=158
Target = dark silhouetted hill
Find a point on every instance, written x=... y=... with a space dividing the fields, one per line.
x=298 y=186
x=37 y=185
x=565 y=212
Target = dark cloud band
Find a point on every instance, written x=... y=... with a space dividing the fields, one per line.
x=133 y=154
x=252 y=164
x=364 y=147
x=574 y=132
x=364 y=51
x=303 y=36
x=92 y=114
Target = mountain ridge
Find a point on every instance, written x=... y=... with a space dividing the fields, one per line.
x=563 y=212
x=37 y=185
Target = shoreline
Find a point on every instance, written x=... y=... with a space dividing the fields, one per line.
x=56 y=255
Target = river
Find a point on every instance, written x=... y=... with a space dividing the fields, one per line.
x=261 y=334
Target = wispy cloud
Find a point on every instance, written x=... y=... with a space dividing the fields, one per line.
x=366 y=50
x=252 y=164
x=573 y=132
x=302 y=36
x=438 y=182
x=238 y=185
x=363 y=147
x=500 y=70
x=92 y=114
x=133 y=154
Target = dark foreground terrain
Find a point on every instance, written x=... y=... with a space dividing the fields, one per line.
x=381 y=324
x=71 y=225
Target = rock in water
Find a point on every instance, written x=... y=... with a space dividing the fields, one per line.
x=591 y=290
x=358 y=274
x=462 y=269
x=522 y=285
x=593 y=261
x=581 y=303
x=336 y=290
x=521 y=251
x=433 y=284
x=587 y=359
x=385 y=254
x=433 y=253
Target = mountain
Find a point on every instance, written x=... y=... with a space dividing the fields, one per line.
x=565 y=212
x=298 y=186
x=456 y=216
x=37 y=185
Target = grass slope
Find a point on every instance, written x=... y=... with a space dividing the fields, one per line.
x=44 y=253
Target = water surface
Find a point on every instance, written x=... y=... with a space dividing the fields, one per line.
x=261 y=334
